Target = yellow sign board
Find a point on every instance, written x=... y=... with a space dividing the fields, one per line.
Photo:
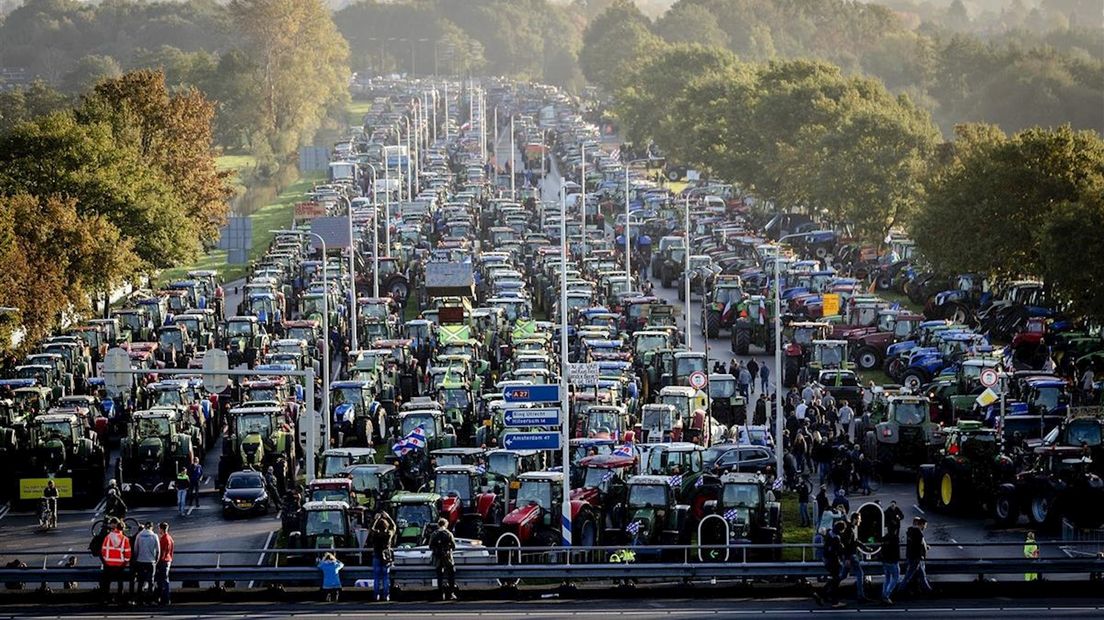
x=831 y=304
x=31 y=488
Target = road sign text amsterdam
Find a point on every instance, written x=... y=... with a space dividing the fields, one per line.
x=532 y=441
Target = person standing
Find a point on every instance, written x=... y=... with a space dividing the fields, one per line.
x=183 y=484
x=846 y=417
x=1031 y=552
x=822 y=504
x=852 y=556
x=833 y=555
x=734 y=368
x=195 y=477
x=764 y=376
x=164 y=563
x=147 y=552
x=383 y=539
x=744 y=381
x=753 y=369
x=331 y=577
x=916 y=552
x=442 y=544
x=115 y=557
x=803 y=501
x=891 y=562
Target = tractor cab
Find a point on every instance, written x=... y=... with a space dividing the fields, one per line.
x=691 y=406
x=661 y=423
x=323 y=525
x=681 y=462
x=414 y=513
x=726 y=402
x=336 y=460
x=654 y=514
x=829 y=354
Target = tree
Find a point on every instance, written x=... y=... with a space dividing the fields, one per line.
x=54 y=259
x=989 y=208
x=1071 y=252
x=302 y=61
x=615 y=44
x=55 y=155
x=171 y=132
x=88 y=71
x=23 y=104
x=691 y=23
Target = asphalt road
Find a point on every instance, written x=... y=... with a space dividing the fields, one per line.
x=554 y=608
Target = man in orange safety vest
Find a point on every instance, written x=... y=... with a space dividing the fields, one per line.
x=115 y=555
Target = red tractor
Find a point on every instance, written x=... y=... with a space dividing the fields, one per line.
x=534 y=520
x=468 y=508
x=605 y=490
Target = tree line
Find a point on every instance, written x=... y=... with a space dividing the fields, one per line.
x=1019 y=80
x=804 y=136
x=120 y=179
x=275 y=70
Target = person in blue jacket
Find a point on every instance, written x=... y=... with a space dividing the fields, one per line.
x=331 y=577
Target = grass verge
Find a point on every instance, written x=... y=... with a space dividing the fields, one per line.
x=792 y=532
x=355 y=111
x=277 y=214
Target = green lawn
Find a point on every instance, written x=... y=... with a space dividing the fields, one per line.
x=276 y=215
x=239 y=163
x=356 y=110
x=792 y=532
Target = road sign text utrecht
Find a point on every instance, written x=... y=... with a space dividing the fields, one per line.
x=531 y=394
x=531 y=441
x=544 y=416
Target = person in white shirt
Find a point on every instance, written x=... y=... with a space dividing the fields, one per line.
x=847 y=419
x=800 y=410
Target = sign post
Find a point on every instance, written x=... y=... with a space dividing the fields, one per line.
x=215 y=361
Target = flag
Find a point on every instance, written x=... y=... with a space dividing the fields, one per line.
x=481 y=469
x=988 y=397
x=700 y=481
x=415 y=440
x=607 y=476
x=895 y=306
x=777 y=485
x=675 y=480
x=625 y=450
x=633 y=527
x=730 y=514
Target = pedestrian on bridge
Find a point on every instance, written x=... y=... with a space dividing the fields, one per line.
x=442 y=544
x=1031 y=552
x=331 y=577
x=164 y=563
x=383 y=540
x=115 y=558
x=147 y=553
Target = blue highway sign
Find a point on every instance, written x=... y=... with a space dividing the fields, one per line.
x=543 y=416
x=532 y=441
x=531 y=393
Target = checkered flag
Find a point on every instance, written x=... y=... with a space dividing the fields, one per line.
x=777 y=484
x=607 y=476
x=675 y=480
x=730 y=514
x=633 y=527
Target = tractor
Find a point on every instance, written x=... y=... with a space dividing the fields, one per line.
x=467 y=507
x=60 y=447
x=319 y=527
x=745 y=512
x=357 y=416
x=604 y=488
x=535 y=516
x=245 y=340
x=1060 y=486
x=654 y=516
x=414 y=513
x=967 y=472
x=724 y=306
x=258 y=438
x=153 y=453
x=755 y=326
x=903 y=433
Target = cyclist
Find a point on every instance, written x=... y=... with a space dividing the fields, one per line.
x=49 y=505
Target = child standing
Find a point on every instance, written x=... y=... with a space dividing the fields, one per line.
x=331 y=577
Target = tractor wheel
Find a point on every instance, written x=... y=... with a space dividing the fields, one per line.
x=586 y=532
x=821 y=251
x=1005 y=511
x=741 y=340
x=925 y=492
x=893 y=368
x=399 y=288
x=914 y=379
x=868 y=358
x=883 y=283
x=948 y=492
x=673 y=174
x=957 y=313
x=1041 y=511
x=712 y=324
x=682 y=293
x=363 y=429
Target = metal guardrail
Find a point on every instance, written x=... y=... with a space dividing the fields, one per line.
x=560 y=564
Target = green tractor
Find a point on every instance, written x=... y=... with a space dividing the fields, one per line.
x=154 y=451
x=903 y=433
x=724 y=306
x=413 y=514
x=967 y=473
x=754 y=326
x=61 y=448
x=745 y=512
x=654 y=515
x=258 y=438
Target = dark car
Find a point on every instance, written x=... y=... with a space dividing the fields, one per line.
x=245 y=495
x=732 y=457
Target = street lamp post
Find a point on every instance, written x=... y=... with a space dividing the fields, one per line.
x=778 y=422
x=352 y=274
x=582 y=184
x=375 y=234
x=686 y=273
x=565 y=412
x=628 y=235
x=326 y=353
x=513 y=172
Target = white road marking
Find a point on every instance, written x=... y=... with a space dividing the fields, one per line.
x=918 y=509
x=4 y=510
x=262 y=556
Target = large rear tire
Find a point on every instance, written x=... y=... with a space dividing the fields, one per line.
x=868 y=358
x=1005 y=511
x=712 y=324
x=741 y=340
